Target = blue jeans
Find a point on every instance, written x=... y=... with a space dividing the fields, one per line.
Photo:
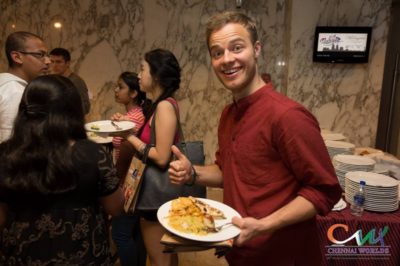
x=126 y=234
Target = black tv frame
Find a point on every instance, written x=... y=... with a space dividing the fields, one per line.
x=341 y=56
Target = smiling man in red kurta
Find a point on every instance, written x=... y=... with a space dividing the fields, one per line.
x=271 y=161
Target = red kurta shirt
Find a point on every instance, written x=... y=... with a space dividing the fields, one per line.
x=270 y=151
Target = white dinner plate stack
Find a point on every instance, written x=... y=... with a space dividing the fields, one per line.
x=381 y=191
x=345 y=163
x=381 y=169
x=339 y=147
x=332 y=136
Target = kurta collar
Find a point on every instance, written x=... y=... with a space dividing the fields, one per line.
x=244 y=103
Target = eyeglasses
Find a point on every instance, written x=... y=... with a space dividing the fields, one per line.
x=38 y=55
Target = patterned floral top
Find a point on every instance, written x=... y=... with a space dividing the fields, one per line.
x=68 y=229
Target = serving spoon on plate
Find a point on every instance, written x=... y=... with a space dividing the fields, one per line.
x=219 y=228
x=115 y=125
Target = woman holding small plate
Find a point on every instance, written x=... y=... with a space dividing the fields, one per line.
x=125 y=228
x=127 y=92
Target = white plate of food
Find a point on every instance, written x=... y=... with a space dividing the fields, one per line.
x=189 y=218
x=105 y=126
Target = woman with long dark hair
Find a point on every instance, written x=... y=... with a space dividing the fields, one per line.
x=54 y=183
x=159 y=78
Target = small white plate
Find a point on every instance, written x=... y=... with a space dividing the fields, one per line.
x=105 y=126
x=340 y=205
x=353 y=160
x=226 y=233
x=99 y=138
x=332 y=136
x=339 y=144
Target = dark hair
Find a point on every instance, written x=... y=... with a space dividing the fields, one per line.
x=219 y=20
x=165 y=70
x=131 y=79
x=37 y=157
x=16 y=42
x=61 y=52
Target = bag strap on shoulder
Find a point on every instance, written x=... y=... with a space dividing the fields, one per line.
x=178 y=125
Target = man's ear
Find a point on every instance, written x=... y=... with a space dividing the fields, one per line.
x=16 y=57
x=257 y=49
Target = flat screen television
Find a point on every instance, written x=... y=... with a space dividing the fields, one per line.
x=342 y=44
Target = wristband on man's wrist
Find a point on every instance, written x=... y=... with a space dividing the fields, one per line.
x=194 y=177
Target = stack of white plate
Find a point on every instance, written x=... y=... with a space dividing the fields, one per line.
x=339 y=147
x=332 y=136
x=381 y=191
x=344 y=163
x=381 y=169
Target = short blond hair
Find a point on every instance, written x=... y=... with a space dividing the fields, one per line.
x=219 y=20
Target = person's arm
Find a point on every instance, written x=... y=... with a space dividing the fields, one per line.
x=84 y=92
x=3 y=214
x=301 y=147
x=9 y=101
x=118 y=117
x=298 y=210
x=181 y=171
x=113 y=204
x=165 y=121
x=110 y=194
x=126 y=153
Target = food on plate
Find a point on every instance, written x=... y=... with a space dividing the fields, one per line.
x=92 y=135
x=95 y=127
x=364 y=152
x=206 y=208
x=190 y=215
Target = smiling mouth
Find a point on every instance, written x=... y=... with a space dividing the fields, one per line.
x=231 y=72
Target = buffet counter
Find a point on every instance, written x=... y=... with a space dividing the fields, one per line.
x=372 y=239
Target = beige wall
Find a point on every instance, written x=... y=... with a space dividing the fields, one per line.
x=108 y=37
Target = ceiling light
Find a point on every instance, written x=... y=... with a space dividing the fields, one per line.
x=57 y=25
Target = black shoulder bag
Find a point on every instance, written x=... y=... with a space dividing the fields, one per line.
x=156 y=187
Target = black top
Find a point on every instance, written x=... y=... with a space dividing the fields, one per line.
x=67 y=229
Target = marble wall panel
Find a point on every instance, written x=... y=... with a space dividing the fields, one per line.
x=344 y=97
x=107 y=37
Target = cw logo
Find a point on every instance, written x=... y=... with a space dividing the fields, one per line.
x=370 y=236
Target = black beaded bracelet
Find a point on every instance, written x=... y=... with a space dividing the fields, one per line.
x=146 y=152
x=194 y=177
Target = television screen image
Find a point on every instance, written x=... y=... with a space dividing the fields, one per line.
x=352 y=42
x=342 y=44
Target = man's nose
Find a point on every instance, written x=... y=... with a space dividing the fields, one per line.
x=228 y=57
x=47 y=60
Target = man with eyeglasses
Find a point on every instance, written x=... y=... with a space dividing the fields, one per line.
x=27 y=58
x=60 y=64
